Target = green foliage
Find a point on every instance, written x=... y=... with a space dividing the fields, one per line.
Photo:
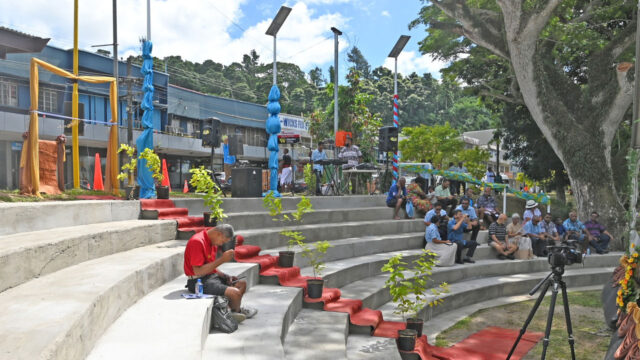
x=201 y=180
x=410 y=288
x=441 y=144
x=315 y=255
x=153 y=163
x=128 y=168
x=274 y=206
x=310 y=178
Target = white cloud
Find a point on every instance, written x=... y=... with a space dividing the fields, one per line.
x=196 y=30
x=325 y=2
x=385 y=13
x=411 y=61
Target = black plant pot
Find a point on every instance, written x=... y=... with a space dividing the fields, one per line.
x=162 y=192
x=229 y=245
x=406 y=340
x=132 y=192
x=210 y=221
x=415 y=324
x=314 y=288
x=285 y=259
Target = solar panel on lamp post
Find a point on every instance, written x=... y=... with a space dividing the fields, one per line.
x=273 y=29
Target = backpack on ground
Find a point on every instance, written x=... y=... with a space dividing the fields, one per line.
x=221 y=318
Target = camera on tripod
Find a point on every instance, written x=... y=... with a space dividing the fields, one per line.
x=566 y=253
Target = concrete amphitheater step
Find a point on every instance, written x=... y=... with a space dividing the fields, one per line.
x=261 y=337
x=488 y=288
x=372 y=292
x=28 y=255
x=271 y=238
x=164 y=325
x=360 y=246
x=366 y=347
x=28 y=217
x=318 y=335
x=239 y=205
x=63 y=314
x=262 y=219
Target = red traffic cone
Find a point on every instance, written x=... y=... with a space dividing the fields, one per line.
x=185 y=189
x=165 y=174
x=97 y=174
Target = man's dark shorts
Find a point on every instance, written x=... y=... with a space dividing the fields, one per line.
x=393 y=202
x=213 y=284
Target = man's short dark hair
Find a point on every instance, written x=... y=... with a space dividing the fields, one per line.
x=464 y=198
x=595 y=212
x=435 y=219
x=438 y=204
x=456 y=211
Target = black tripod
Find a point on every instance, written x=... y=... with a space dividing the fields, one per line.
x=554 y=278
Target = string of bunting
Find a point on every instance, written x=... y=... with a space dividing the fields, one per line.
x=421 y=169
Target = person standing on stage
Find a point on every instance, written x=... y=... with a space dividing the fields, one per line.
x=352 y=155
x=318 y=169
x=287 y=174
x=228 y=160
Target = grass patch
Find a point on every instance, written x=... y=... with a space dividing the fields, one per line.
x=71 y=194
x=589 y=330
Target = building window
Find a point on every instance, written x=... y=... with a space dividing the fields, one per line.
x=48 y=100
x=8 y=93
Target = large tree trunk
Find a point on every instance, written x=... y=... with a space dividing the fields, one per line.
x=560 y=195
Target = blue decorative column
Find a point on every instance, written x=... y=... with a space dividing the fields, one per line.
x=273 y=129
x=145 y=140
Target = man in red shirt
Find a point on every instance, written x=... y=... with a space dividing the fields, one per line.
x=200 y=263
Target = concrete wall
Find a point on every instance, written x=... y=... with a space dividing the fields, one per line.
x=25 y=217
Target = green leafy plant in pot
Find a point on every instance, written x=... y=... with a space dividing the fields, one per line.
x=314 y=253
x=411 y=292
x=202 y=182
x=294 y=238
x=153 y=164
x=129 y=172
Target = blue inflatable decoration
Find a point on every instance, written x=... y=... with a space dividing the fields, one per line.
x=145 y=140
x=273 y=129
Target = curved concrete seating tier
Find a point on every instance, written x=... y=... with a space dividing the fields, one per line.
x=26 y=217
x=28 y=255
x=61 y=315
x=261 y=337
x=317 y=335
x=164 y=325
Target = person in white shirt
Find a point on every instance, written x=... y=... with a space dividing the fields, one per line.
x=531 y=210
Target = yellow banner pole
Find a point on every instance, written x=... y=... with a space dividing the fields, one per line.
x=74 y=102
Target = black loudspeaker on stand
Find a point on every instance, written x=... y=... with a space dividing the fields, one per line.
x=236 y=145
x=211 y=133
x=388 y=139
x=246 y=182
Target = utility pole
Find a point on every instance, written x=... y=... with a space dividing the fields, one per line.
x=336 y=33
x=115 y=42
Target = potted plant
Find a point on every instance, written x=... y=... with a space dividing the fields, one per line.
x=201 y=180
x=153 y=164
x=274 y=205
x=132 y=191
x=315 y=254
x=411 y=294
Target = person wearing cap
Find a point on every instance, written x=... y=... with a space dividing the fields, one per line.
x=318 y=155
x=352 y=155
x=531 y=210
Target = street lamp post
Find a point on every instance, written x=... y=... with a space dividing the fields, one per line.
x=273 y=121
x=395 y=52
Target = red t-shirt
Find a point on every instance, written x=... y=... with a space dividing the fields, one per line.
x=199 y=251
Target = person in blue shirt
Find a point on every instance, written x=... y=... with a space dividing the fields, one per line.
x=228 y=160
x=470 y=212
x=317 y=155
x=397 y=198
x=456 y=227
x=575 y=230
x=444 y=249
x=539 y=238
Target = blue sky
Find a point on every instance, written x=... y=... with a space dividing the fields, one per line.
x=223 y=30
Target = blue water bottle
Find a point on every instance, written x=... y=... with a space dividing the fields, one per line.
x=199 y=288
